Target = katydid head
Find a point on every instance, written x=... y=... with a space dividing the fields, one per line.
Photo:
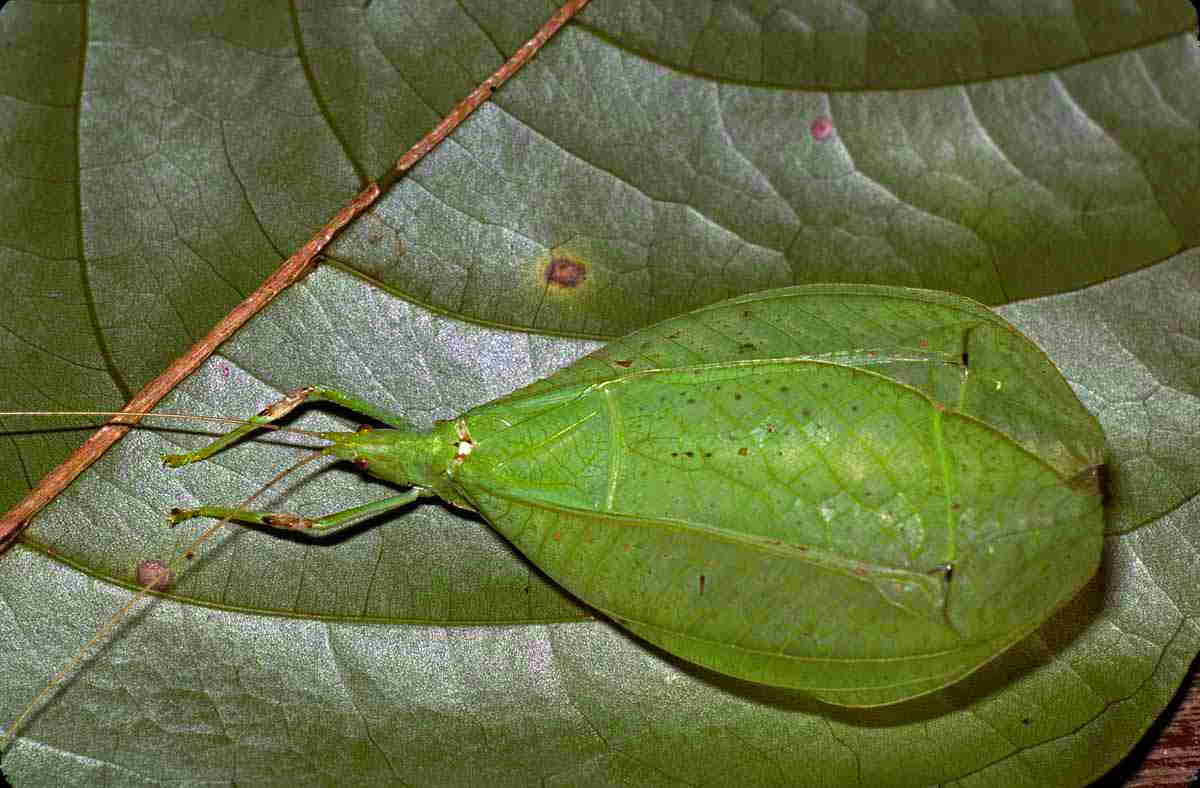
x=405 y=457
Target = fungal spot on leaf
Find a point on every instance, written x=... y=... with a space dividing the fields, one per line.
x=821 y=128
x=742 y=452
x=565 y=272
x=155 y=573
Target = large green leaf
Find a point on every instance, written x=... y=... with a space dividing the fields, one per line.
x=156 y=178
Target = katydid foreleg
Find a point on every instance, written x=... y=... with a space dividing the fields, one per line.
x=364 y=453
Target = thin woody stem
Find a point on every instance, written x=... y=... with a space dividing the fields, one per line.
x=293 y=270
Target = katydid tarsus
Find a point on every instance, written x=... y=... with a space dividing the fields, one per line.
x=863 y=493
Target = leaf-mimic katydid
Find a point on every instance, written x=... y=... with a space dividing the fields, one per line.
x=860 y=492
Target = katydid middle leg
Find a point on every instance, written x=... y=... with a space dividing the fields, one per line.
x=327 y=524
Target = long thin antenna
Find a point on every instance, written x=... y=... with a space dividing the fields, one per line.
x=189 y=416
x=154 y=578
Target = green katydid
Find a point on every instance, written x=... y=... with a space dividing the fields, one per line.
x=861 y=492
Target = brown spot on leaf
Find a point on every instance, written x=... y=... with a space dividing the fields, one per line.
x=701 y=584
x=626 y=364
x=821 y=128
x=565 y=272
x=742 y=452
x=155 y=573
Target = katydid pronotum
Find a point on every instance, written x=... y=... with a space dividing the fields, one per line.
x=860 y=492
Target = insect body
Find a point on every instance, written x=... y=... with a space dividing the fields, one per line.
x=754 y=489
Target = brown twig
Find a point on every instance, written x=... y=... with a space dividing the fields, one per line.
x=293 y=270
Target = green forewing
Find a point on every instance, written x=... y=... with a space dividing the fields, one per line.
x=861 y=492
